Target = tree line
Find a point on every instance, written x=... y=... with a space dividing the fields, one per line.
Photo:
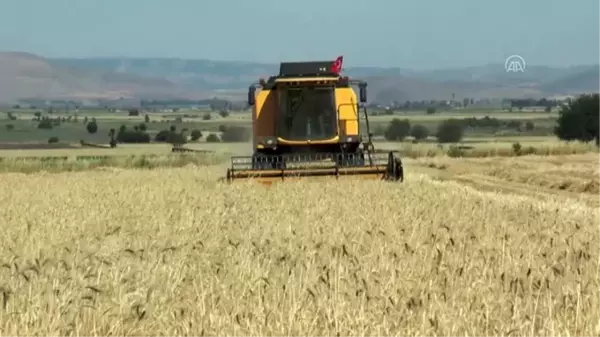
x=578 y=120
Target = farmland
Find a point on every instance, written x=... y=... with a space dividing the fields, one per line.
x=483 y=238
x=171 y=251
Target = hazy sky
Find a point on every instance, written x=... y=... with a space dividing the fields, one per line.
x=401 y=33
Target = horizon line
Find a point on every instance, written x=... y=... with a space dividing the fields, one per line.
x=276 y=63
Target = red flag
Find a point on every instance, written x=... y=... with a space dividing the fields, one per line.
x=337 y=65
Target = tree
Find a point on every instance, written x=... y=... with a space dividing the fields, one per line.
x=132 y=136
x=45 y=124
x=146 y=119
x=92 y=127
x=578 y=119
x=113 y=139
x=397 y=129
x=419 y=132
x=196 y=134
x=529 y=126
x=134 y=112
x=431 y=110
x=450 y=131
x=235 y=134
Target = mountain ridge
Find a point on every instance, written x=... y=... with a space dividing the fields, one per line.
x=24 y=75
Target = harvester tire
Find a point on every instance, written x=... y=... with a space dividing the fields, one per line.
x=395 y=169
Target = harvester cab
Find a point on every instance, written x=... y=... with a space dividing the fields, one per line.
x=306 y=123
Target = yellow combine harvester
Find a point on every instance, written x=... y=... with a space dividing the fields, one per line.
x=306 y=123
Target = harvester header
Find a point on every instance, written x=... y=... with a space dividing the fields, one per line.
x=306 y=122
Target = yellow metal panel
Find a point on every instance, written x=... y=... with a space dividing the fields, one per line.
x=265 y=109
x=348 y=115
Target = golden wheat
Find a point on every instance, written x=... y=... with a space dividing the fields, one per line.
x=173 y=252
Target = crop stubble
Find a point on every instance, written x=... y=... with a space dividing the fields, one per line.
x=171 y=251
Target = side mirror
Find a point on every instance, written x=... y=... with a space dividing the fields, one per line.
x=251 y=95
x=362 y=92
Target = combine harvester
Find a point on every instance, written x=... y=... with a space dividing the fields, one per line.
x=306 y=123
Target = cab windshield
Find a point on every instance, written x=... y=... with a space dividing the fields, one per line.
x=307 y=113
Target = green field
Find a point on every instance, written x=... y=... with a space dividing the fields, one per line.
x=21 y=140
x=72 y=128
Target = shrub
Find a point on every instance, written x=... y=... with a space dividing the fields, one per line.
x=133 y=112
x=212 y=138
x=517 y=148
x=142 y=127
x=431 y=110
x=397 y=129
x=206 y=116
x=146 y=119
x=223 y=114
x=449 y=131
x=45 y=124
x=222 y=128
x=454 y=152
x=9 y=127
x=92 y=127
x=53 y=140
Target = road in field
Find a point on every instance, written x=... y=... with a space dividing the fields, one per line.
x=536 y=177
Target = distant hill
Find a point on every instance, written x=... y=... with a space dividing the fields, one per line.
x=488 y=80
x=25 y=75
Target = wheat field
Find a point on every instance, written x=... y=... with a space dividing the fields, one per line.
x=171 y=251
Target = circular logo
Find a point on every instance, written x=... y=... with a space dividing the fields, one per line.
x=515 y=64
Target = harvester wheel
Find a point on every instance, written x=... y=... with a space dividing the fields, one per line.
x=395 y=169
